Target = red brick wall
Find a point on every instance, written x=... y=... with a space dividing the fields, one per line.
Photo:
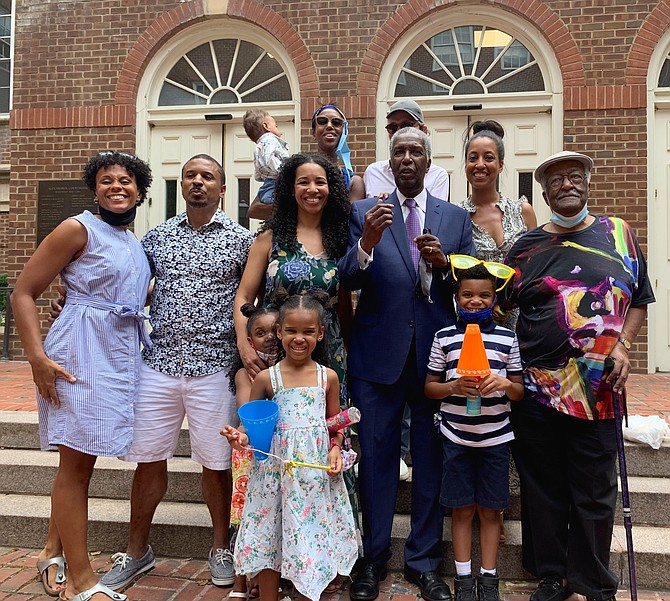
x=74 y=87
x=45 y=155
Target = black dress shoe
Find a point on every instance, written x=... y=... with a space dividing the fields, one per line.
x=433 y=588
x=365 y=586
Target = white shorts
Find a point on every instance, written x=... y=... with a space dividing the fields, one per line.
x=162 y=403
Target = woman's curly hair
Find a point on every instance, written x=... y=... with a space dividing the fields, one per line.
x=135 y=166
x=335 y=218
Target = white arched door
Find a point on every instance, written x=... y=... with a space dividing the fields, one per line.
x=192 y=99
x=464 y=65
x=658 y=153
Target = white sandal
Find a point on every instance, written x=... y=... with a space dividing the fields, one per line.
x=43 y=565
x=238 y=595
x=98 y=588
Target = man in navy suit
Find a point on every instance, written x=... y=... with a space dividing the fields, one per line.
x=394 y=326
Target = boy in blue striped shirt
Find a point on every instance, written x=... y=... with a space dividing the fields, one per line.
x=476 y=452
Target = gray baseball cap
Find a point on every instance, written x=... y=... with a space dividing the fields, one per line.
x=564 y=155
x=409 y=106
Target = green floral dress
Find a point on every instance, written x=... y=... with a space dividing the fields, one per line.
x=299 y=272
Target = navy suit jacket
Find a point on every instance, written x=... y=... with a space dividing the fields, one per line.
x=392 y=310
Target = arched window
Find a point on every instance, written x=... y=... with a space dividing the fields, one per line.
x=470 y=59
x=225 y=71
x=664 y=77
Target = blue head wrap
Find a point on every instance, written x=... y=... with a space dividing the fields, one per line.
x=343 y=152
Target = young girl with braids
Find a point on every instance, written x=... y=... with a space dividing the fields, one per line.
x=297 y=523
x=262 y=336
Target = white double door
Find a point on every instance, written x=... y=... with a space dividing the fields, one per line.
x=172 y=145
x=659 y=243
x=527 y=143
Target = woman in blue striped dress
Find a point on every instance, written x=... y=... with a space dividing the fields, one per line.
x=87 y=369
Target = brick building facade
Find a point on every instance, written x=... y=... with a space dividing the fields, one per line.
x=557 y=73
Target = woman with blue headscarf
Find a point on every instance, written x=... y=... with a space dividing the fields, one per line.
x=330 y=129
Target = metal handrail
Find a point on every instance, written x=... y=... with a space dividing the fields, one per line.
x=6 y=291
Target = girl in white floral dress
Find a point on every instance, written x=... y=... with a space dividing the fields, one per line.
x=297 y=523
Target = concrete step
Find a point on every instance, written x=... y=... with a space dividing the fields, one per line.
x=18 y=430
x=32 y=472
x=182 y=530
x=649 y=500
x=651 y=544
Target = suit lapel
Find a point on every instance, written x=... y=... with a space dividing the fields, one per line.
x=400 y=235
x=434 y=214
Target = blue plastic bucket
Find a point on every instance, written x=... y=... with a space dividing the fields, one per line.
x=259 y=419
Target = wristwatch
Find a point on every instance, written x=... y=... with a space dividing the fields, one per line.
x=625 y=342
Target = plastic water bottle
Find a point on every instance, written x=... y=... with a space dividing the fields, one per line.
x=473 y=405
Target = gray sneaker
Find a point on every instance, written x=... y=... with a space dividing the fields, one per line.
x=221 y=566
x=126 y=567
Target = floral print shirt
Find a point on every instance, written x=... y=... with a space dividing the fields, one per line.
x=197 y=273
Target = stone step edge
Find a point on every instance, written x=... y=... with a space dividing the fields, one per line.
x=646 y=539
x=35 y=458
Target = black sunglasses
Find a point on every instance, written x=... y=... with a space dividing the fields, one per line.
x=394 y=127
x=336 y=121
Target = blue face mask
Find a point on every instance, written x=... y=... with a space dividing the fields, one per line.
x=481 y=316
x=569 y=222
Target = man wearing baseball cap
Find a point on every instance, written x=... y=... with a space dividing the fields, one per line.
x=582 y=289
x=378 y=177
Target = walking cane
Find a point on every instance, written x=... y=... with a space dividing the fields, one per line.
x=623 y=474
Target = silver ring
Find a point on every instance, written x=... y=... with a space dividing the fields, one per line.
x=430 y=250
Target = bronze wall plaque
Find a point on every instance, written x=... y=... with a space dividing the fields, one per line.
x=59 y=199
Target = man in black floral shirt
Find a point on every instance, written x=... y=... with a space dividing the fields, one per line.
x=197 y=259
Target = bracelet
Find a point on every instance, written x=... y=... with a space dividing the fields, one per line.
x=334 y=443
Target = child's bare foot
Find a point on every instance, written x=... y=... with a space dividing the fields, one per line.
x=334 y=585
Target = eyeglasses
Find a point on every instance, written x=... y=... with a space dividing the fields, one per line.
x=394 y=127
x=556 y=181
x=336 y=121
x=497 y=270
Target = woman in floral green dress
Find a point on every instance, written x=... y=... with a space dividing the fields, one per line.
x=298 y=249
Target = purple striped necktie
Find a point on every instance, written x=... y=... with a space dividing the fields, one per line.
x=413 y=228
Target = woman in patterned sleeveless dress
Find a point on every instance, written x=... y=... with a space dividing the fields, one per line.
x=497 y=221
x=86 y=372
x=297 y=249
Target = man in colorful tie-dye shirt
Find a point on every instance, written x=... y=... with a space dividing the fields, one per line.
x=582 y=289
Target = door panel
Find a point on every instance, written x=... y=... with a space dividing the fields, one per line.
x=527 y=143
x=173 y=145
x=659 y=241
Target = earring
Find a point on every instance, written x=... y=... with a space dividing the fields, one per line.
x=95 y=200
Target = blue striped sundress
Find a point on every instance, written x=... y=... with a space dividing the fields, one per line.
x=99 y=346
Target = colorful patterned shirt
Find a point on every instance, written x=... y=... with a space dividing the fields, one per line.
x=197 y=273
x=573 y=291
x=492 y=427
x=270 y=152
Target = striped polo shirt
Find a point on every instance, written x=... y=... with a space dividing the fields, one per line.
x=492 y=427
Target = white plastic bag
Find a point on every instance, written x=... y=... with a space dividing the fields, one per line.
x=649 y=429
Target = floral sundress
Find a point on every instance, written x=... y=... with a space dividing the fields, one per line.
x=298 y=523
x=299 y=272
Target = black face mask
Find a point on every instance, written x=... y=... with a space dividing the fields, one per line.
x=117 y=218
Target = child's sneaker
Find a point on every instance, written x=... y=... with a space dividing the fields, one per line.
x=465 y=588
x=487 y=588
